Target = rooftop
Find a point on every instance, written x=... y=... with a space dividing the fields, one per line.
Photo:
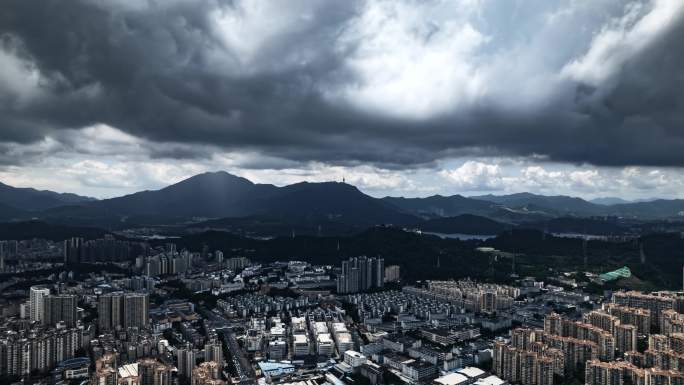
x=130 y=370
x=490 y=380
x=270 y=366
x=354 y=354
x=471 y=371
x=452 y=379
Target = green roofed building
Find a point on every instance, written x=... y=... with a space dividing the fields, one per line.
x=622 y=272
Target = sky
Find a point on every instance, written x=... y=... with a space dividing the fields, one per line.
x=403 y=97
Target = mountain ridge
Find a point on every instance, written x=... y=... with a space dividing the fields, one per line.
x=308 y=205
x=30 y=199
x=221 y=195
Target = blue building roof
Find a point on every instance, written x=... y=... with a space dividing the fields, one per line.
x=74 y=362
x=275 y=368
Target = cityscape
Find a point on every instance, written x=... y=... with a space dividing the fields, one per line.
x=144 y=310
x=357 y=192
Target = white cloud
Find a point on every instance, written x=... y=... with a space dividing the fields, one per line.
x=585 y=178
x=475 y=176
x=622 y=39
x=505 y=176
x=411 y=60
x=650 y=180
x=540 y=178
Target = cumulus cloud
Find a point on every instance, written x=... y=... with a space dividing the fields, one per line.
x=410 y=60
x=513 y=176
x=475 y=176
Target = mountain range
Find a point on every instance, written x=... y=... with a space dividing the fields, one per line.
x=607 y=201
x=221 y=200
x=18 y=202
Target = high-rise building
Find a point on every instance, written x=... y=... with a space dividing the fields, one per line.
x=625 y=338
x=26 y=351
x=656 y=304
x=487 y=302
x=153 y=372
x=237 y=263
x=25 y=310
x=207 y=373
x=213 y=351
x=110 y=311
x=186 y=362
x=219 y=258
x=553 y=324
x=361 y=274
x=105 y=371
x=392 y=273
x=602 y=320
x=342 y=284
x=106 y=376
x=59 y=308
x=365 y=279
x=73 y=250
x=641 y=318
x=676 y=342
x=379 y=272
x=117 y=310
x=354 y=280
x=37 y=295
x=136 y=310
x=526 y=367
x=604 y=341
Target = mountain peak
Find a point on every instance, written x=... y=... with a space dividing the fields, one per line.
x=218 y=179
x=221 y=174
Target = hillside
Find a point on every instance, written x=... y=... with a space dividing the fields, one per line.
x=574 y=225
x=441 y=206
x=560 y=205
x=220 y=195
x=29 y=199
x=463 y=224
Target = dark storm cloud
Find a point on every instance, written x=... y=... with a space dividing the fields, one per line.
x=163 y=74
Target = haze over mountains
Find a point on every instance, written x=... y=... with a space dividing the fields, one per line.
x=220 y=199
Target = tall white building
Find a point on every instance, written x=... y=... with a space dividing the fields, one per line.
x=37 y=295
x=186 y=362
